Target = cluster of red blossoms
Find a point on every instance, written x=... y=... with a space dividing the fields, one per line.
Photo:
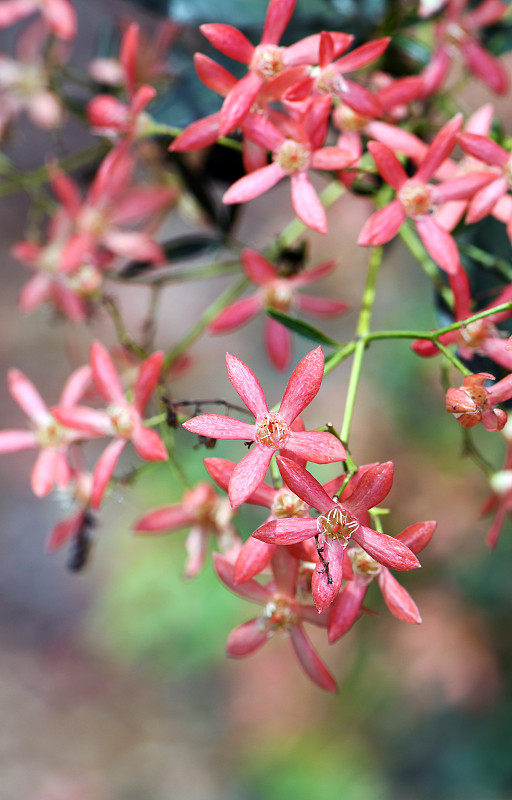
x=318 y=104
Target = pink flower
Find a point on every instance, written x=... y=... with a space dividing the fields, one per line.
x=282 y=503
x=294 y=157
x=58 y=14
x=473 y=402
x=50 y=436
x=266 y=62
x=417 y=197
x=277 y=292
x=108 y=115
x=458 y=32
x=122 y=419
x=206 y=514
x=347 y=607
x=337 y=525
x=272 y=430
x=282 y=613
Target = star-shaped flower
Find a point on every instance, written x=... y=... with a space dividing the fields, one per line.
x=272 y=430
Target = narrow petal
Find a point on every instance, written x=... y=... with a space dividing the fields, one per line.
x=247 y=638
x=346 y=609
x=484 y=149
x=163 y=520
x=236 y=314
x=334 y=158
x=383 y=225
x=248 y=474
x=76 y=386
x=484 y=201
x=460 y=188
x=388 y=164
x=310 y=661
x=104 y=469
x=219 y=427
x=257 y=268
x=251 y=590
x=362 y=55
x=371 y=490
x=304 y=485
x=327 y=577
x=485 y=66
x=360 y=99
x=213 y=75
x=278 y=343
x=320 y=447
x=385 y=549
x=398 y=600
x=42 y=479
x=148 y=444
x=221 y=470
x=147 y=380
x=441 y=147
x=25 y=394
x=104 y=373
x=254 y=184
x=64 y=531
x=417 y=536
x=286 y=531
x=81 y=418
x=229 y=41
x=439 y=244
x=254 y=557
x=15 y=441
x=278 y=15
x=306 y=203
x=246 y=385
x=238 y=102
x=198 y=135
x=320 y=306
x=303 y=385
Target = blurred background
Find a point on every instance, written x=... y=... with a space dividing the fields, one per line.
x=113 y=681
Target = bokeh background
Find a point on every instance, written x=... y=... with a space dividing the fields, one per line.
x=113 y=681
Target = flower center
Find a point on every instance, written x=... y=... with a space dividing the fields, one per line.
x=415 y=198
x=454 y=34
x=267 y=61
x=201 y=502
x=278 y=615
x=362 y=563
x=287 y=504
x=350 y=120
x=86 y=280
x=331 y=82
x=337 y=524
x=51 y=433
x=279 y=295
x=122 y=420
x=272 y=430
x=474 y=334
x=292 y=156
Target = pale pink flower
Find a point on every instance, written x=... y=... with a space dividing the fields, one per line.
x=206 y=514
x=122 y=419
x=51 y=437
x=59 y=15
x=338 y=524
x=282 y=613
x=272 y=430
x=276 y=292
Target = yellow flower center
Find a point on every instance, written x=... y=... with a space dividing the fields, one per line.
x=287 y=504
x=267 y=61
x=292 y=156
x=51 y=433
x=337 y=524
x=278 y=615
x=122 y=419
x=415 y=198
x=272 y=431
x=362 y=563
x=279 y=295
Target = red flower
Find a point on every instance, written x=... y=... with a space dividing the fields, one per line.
x=279 y=293
x=347 y=607
x=416 y=197
x=206 y=514
x=272 y=430
x=122 y=419
x=338 y=524
x=282 y=613
x=473 y=402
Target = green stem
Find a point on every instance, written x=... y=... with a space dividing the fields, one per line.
x=204 y=320
x=362 y=329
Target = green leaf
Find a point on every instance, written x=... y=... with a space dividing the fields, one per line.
x=302 y=328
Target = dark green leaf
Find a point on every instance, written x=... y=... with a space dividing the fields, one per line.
x=302 y=328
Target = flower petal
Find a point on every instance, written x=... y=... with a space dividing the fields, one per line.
x=372 y=488
x=246 y=385
x=104 y=469
x=346 y=609
x=248 y=474
x=320 y=447
x=382 y=225
x=310 y=661
x=388 y=551
x=304 y=485
x=286 y=531
x=306 y=203
x=303 y=385
x=398 y=600
x=218 y=427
